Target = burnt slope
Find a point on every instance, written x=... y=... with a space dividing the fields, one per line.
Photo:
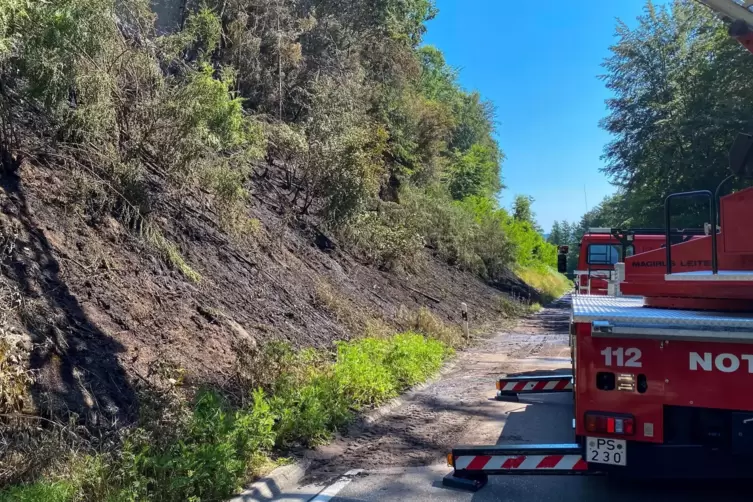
x=98 y=312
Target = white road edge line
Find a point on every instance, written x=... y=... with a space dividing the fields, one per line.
x=332 y=490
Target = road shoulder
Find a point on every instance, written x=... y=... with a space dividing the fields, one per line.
x=416 y=430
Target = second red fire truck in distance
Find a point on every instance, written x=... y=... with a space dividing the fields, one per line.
x=602 y=248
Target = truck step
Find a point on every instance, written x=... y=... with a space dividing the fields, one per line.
x=471 y=483
x=511 y=387
x=474 y=464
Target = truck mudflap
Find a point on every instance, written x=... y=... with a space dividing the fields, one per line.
x=510 y=387
x=474 y=464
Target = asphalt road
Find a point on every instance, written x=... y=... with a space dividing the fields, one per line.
x=542 y=420
x=380 y=474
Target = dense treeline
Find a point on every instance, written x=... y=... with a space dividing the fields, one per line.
x=682 y=91
x=364 y=127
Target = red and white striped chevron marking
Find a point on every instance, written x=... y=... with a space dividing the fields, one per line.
x=527 y=462
x=535 y=385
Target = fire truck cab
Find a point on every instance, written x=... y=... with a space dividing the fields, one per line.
x=601 y=249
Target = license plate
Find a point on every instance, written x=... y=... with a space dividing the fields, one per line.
x=606 y=451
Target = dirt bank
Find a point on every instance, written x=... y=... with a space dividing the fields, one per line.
x=97 y=312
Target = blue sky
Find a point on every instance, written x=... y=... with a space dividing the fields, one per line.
x=538 y=62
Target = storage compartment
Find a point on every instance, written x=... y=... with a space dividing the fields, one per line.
x=717 y=429
x=742 y=433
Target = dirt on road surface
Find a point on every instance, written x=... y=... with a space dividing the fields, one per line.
x=401 y=455
x=456 y=408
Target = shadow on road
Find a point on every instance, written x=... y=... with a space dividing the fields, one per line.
x=547 y=418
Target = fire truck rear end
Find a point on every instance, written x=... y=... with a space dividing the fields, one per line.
x=663 y=376
x=658 y=392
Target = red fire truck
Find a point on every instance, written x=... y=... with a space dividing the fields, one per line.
x=662 y=378
x=601 y=249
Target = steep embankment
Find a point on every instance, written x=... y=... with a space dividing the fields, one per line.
x=174 y=204
x=97 y=313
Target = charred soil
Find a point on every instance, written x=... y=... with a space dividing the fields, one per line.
x=97 y=312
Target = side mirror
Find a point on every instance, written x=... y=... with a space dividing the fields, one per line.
x=562 y=259
x=741 y=156
x=562 y=263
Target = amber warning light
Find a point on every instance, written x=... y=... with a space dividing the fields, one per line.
x=450 y=460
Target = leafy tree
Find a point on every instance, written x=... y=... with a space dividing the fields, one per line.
x=558 y=235
x=474 y=122
x=405 y=19
x=682 y=91
x=521 y=209
x=475 y=172
x=438 y=81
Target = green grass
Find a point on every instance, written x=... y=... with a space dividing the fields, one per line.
x=546 y=280
x=370 y=371
x=43 y=491
x=171 y=254
x=218 y=447
x=513 y=309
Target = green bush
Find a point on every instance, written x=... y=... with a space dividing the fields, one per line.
x=474 y=172
x=473 y=234
x=446 y=227
x=425 y=322
x=495 y=246
x=411 y=359
x=370 y=371
x=546 y=280
x=360 y=371
x=386 y=237
x=513 y=308
x=307 y=413
x=530 y=246
x=39 y=492
x=206 y=458
x=210 y=453
x=335 y=162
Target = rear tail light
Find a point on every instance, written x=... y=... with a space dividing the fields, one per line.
x=610 y=424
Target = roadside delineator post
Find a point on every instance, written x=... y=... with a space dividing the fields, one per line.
x=464 y=315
